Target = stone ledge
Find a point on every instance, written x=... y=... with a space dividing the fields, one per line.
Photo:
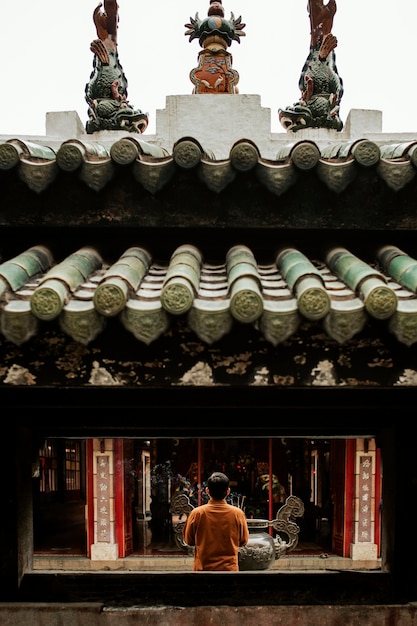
x=95 y=614
x=185 y=564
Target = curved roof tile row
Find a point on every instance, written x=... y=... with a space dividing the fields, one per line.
x=341 y=292
x=336 y=165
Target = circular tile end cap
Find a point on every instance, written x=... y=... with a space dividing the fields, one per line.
x=110 y=297
x=124 y=151
x=314 y=303
x=381 y=302
x=9 y=156
x=366 y=153
x=244 y=156
x=177 y=296
x=48 y=300
x=305 y=155
x=187 y=154
x=69 y=157
x=246 y=306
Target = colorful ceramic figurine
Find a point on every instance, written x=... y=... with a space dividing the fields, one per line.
x=106 y=92
x=320 y=84
x=215 y=34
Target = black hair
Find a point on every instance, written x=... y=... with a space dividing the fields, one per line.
x=218 y=484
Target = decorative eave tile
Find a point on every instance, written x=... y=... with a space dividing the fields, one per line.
x=273 y=298
x=337 y=176
x=276 y=178
x=216 y=175
x=97 y=174
x=397 y=174
x=36 y=163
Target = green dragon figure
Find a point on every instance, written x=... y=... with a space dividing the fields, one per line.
x=320 y=84
x=106 y=92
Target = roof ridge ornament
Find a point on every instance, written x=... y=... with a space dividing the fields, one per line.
x=215 y=34
x=320 y=84
x=106 y=91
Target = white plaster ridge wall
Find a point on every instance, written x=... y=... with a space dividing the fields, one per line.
x=217 y=121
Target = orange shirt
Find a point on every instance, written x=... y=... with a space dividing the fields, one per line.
x=217 y=530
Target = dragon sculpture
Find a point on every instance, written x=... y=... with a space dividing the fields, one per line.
x=320 y=84
x=180 y=509
x=106 y=92
x=286 y=527
x=215 y=34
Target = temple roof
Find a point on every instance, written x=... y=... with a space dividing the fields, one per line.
x=210 y=230
x=187 y=185
x=335 y=166
x=187 y=139
x=339 y=294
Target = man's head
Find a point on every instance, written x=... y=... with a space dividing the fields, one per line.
x=218 y=485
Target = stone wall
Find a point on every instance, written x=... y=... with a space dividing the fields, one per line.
x=85 y=614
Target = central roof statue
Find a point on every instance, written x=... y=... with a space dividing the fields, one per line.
x=215 y=34
x=320 y=84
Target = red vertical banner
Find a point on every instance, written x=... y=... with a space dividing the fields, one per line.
x=270 y=488
x=349 y=495
x=119 y=496
x=338 y=454
x=90 y=494
x=123 y=495
x=199 y=470
x=342 y=487
x=129 y=477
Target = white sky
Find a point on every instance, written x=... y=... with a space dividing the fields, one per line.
x=47 y=59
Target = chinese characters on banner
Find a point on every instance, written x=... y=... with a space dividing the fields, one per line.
x=103 y=499
x=365 y=499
